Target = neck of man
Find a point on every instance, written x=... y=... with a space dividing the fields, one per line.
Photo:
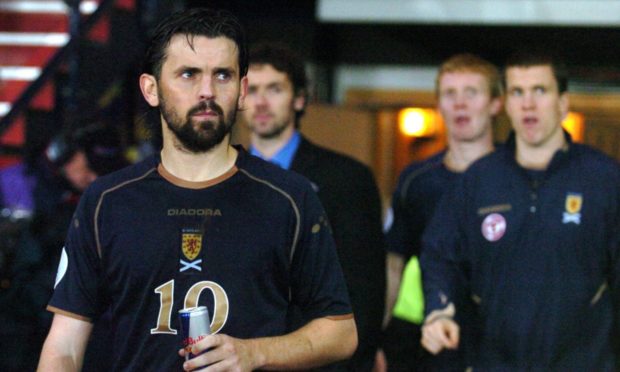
x=268 y=147
x=461 y=154
x=197 y=167
x=539 y=157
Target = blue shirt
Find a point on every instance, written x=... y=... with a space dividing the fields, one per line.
x=284 y=157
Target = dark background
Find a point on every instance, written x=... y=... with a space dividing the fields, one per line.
x=590 y=52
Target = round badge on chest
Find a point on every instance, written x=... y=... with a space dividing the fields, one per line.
x=493 y=227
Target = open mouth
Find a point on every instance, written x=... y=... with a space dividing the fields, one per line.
x=462 y=120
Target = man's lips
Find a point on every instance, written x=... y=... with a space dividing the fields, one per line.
x=262 y=117
x=205 y=114
x=462 y=120
x=206 y=109
x=530 y=121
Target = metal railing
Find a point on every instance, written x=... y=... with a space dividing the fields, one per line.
x=78 y=28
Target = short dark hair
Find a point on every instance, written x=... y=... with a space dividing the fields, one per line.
x=195 y=22
x=537 y=57
x=284 y=60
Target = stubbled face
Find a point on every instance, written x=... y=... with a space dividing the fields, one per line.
x=77 y=171
x=535 y=106
x=466 y=105
x=199 y=91
x=271 y=103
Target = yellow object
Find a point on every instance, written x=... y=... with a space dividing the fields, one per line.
x=417 y=122
x=410 y=303
x=574 y=123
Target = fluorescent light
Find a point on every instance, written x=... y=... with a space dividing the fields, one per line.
x=5 y=107
x=88 y=7
x=51 y=39
x=19 y=73
x=50 y=6
x=473 y=12
x=58 y=7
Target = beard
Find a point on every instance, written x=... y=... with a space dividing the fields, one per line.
x=274 y=132
x=198 y=136
x=276 y=127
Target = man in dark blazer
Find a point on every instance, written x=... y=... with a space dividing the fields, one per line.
x=274 y=105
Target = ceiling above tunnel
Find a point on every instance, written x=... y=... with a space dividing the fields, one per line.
x=424 y=32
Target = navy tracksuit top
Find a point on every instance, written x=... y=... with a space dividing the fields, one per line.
x=538 y=252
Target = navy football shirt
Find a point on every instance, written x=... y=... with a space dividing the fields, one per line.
x=420 y=186
x=144 y=244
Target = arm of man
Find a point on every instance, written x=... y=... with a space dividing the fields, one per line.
x=441 y=260
x=402 y=236
x=321 y=341
x=614 y=277
x=440 y=331
x=65 y=345
x=395 y=264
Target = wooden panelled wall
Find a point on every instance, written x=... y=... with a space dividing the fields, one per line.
x=365 y=127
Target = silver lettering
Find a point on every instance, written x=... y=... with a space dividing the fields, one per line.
x=193 y=212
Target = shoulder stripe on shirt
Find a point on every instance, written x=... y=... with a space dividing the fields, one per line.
x=290 y=199
x=427 y=167
x=100 y=201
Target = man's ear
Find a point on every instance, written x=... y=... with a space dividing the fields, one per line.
x=564 y=105
x=243 y=92
x=148 y=86
x=299 y=102
x=496 y=105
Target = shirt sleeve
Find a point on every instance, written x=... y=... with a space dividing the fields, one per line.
x=441 y=260
x=614 y=254
x=317 y=282
x=77 y=280
x=404 y=236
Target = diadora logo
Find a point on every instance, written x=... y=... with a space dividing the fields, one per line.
x=194 y=212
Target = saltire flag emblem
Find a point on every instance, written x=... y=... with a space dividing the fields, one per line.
x=191 y=245
x=572 y=207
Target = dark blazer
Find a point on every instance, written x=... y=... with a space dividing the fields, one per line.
x=349 y=194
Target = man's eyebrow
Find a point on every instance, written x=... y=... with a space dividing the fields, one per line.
x=273 y=84
x=186 y=68
x=229 y=70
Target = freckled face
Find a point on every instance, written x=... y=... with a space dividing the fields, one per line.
x=466 y=105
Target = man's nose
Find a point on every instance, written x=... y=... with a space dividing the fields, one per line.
x=260 y=99
x=206 y=89
x=528 y=101
x=460 y=101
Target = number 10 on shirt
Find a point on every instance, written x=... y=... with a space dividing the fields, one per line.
x=166 y=301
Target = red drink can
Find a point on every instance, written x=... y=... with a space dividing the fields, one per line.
x=195 y=325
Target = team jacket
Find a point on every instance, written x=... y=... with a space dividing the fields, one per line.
x=248 y=245
x=538 y=252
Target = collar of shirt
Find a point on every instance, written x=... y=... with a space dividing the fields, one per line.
x=284 y=157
